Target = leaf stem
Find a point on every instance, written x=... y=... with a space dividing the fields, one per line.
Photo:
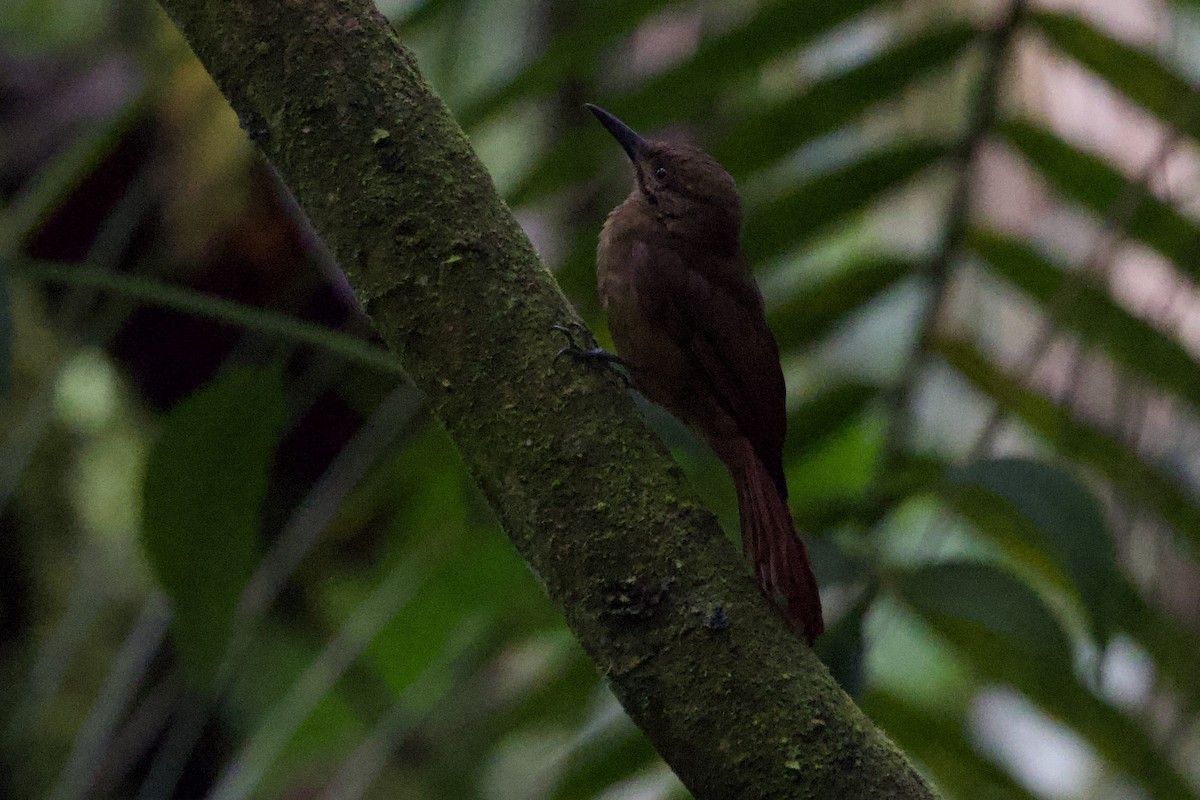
x=157 y=293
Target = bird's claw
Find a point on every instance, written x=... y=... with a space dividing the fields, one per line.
x=590 y=352
x=569 y=330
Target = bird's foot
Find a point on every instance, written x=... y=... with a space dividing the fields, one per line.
x=589 y=351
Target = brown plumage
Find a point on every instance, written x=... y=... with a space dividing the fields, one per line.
x=687 y=318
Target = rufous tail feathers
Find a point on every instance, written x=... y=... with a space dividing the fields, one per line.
x=770 y=542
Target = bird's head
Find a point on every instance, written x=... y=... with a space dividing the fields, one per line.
x=680 y=181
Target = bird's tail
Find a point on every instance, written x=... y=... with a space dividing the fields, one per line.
x=770 y=542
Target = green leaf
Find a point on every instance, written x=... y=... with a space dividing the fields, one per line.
x=571 y=160
x=939 y=739
x=1141 y=482
x=822 y=416
x=987 y=614
x=572 y=52
x=841 y=468
x=206 y=479
x=776 y=29
x=155 y=292
x=1004 y=631
x=759 y=139
x=423 y=12
x=682 y=92
x=1116 y=737
x=470 y=570
x=1138 y=75
x=842 y=647
x=1052 y=514
x=1171 y=645
x=277 y=660
x=814 y=206
x=1097 y=186
x=1088 y=310
x=912 y=475
x=810 y=313
x=6 y=328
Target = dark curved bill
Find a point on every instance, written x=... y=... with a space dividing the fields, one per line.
x=625 y=135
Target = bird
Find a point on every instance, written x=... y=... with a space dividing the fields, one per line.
x=688 y=323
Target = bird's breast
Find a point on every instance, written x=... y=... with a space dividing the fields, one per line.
x=620 y=255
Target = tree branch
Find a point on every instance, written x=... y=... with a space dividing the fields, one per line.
x=647 y=581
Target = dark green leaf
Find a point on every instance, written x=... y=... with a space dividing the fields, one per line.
x=1140 y=76
x=423 y=13
x=987 y=614
x=1051 y=513
x=1088 y=310
x=913 y=475
x=6 y=328
x=810 y=313
x=810 y=208
x=470 y=570
x=775 y=29
x=573 y=52
x=757 y=140
x=277 y=660
x=1096 y=185
x=1005 y=632
x=841 y=469
x=824 y=513
x=571 y=160
x=876 y=499
x=821 y=416
x=1172 y=646
x=206 y=479
x=1142 y=482
x=939 y=739
x=843 y=649
x=685 y=91
x=841 y=560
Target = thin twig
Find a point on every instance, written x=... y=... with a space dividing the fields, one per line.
x=86 y=599
x=91 y=743
x=414 y=705
x=242 y=774
x=144 y=727
x=938 y=270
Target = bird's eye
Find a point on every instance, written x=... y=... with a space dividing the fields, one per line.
x=660 y=173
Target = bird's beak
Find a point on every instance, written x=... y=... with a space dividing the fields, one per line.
x=625 y=135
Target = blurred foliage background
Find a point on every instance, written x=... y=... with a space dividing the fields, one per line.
x=238 y=559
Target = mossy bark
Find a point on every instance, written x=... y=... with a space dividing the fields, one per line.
x=655 y=593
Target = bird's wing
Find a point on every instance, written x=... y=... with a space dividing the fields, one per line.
x=711 y=308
